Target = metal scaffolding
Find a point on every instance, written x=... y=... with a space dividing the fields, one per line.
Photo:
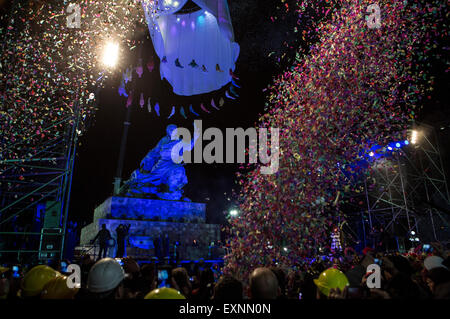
x=30 y=181
x=405 y=193
x=36 y=174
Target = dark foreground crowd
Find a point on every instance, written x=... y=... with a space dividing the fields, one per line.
x=419 y=275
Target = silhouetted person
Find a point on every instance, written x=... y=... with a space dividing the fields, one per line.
x=157 y=244
x=122 y=232
x=103 y=237
x=205 y=290
x=166 y=245
x=281 y=278
x=180 y=281
x=263 y=284
x=228 y=288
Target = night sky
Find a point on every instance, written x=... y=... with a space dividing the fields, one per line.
x=98 y=153
x=258 y=38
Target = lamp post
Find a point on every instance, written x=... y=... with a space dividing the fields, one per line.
x=123 y=144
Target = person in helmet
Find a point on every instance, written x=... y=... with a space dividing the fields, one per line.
x=35 y=280
x=57 y=288
x=164 y=293
x=105 y=280
x=330 y=281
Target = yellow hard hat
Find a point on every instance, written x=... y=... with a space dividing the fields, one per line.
x=35 y=280
x=57 y=288
x=331 y=279
x=164 y=293
x=3 y=269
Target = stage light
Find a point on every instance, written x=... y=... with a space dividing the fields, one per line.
x=413 y=232
x=285 y=249
x=389 y=148
x=406 y=142
x=416 y=239
x=397 y=145
x=111 y=54
x=234 y=212
x=371 y=154
x=414 y=136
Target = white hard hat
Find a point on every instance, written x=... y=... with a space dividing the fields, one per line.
x=432 y=262
x=105 y=275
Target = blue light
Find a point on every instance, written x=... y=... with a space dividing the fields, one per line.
x=406 y=142
x=397 y=145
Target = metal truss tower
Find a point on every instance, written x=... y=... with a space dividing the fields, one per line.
x=35 y=181
x=406 y=194
x=36 y=176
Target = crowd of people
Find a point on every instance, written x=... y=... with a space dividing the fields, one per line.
x=414 y=275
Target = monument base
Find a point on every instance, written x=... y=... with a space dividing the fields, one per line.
x=158 y=228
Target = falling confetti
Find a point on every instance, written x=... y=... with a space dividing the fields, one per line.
x=352 y=88
x=49 y=70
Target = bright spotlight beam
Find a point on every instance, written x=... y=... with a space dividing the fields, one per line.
x=414 y=135
x=234 y=212
x=111 y=54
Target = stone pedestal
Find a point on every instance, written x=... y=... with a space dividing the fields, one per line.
x=183 y=222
